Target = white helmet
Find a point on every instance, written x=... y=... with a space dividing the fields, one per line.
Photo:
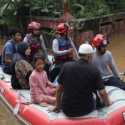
x=85 y=49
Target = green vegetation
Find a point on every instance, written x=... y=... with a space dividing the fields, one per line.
x=12 y=11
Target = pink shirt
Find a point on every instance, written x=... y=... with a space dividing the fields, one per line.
x=41 y=88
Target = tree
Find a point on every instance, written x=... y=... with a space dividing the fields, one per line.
x=89 y=8
x=22 y=9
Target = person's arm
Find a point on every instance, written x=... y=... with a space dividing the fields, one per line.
x=56 y=50
x=48 y=82
x=113 y=66
x=75 y=52
x=58 y=98
x=51 y=84
x=8 y=60
x=26 y=38
x=99 y=86
x=8 y=54
x=44 y=46
x=60 y=90
x=104 y=97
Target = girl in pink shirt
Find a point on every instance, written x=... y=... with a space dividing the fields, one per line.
x=41 y=89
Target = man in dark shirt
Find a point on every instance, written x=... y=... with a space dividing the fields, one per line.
x=78 y=80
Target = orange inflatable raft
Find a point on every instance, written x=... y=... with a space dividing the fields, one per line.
x=19 y=103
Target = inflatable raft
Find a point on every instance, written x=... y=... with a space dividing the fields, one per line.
x=19 y=103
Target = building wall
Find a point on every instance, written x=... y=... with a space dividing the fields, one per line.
x=109 y=26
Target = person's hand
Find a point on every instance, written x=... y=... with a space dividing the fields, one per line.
x=28 y=52
x=8 y=61
x=71 y=50
x=70 y=53
x=109 y=103
x=56 y=109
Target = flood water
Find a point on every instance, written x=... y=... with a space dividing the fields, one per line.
x=116 y=46
x=6 y=117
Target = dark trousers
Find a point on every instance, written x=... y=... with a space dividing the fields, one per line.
x=55 y=72
x=114 y=81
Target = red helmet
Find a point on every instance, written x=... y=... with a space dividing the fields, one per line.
x=33 y=25
x=99 y=40
x=62 y=28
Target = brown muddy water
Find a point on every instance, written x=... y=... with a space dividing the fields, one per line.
x=116 y=46
x=6 y=117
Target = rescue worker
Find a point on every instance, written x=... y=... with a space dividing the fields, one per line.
x=104 y=61
x=77 y=82
x=62 y=49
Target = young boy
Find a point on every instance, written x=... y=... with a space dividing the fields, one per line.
x=9 y=49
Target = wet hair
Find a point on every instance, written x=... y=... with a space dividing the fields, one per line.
x=38 y=56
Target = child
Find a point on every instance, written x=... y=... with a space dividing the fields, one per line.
x=9 y=50
x=41 y=89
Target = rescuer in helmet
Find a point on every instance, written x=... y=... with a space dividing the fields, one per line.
x=104 y=61
x=62 y=48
